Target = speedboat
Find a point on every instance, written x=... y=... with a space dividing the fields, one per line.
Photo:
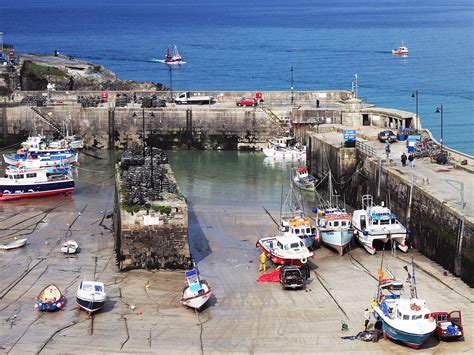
x=24 y=183
x=70 y=247
x=197 y=292
x=377 y=223
x=334 y=227
x=91 y=296
x=50 y=299
x=285 y=249
x=302 y=179
x=402 y=50
x=407 y=320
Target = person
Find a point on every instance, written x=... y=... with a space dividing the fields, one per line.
x=377 y=331
x=403 y=158
x=387 y=150
x=263 y=262
x=411 y=158
x=367 y=319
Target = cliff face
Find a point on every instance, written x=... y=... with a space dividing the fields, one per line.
x=67 y=73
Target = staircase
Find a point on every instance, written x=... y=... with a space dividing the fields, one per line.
x=48 y=121
x=283 y=123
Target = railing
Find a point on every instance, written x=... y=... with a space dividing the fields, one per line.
x=45 y=119
x=365 y=148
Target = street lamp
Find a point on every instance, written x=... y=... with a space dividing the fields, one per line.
x=415 y=95
x=291 y=87
x=441 y=111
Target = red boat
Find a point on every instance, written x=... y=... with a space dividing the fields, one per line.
x=285 y=249
x=448 y=325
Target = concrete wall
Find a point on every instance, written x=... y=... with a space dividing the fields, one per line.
x=152 y=240
x=435 y=226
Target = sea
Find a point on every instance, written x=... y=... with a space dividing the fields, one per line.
x=268 y=44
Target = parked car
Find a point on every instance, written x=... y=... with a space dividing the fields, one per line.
x=247 y=101
x=291 y=277
x=387 y=136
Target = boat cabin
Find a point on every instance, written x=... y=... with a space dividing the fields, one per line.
x=335 y=219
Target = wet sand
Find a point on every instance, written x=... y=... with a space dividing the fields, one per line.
x=243 y=316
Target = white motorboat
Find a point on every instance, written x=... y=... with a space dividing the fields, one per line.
x=377 y=223
x=407 y=320
x=299 y=225
x=13 y=245
x=285 y=249
x=294 y=153
x=70 y=247
x=91 y=296
x=197 y=292
x=302 y=179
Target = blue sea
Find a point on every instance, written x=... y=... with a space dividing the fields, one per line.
x=251 y=45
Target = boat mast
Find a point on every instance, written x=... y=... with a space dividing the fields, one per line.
x=330 y=188
x=413 y=277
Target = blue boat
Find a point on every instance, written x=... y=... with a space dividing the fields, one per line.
x=50 y=299
x=36 y=160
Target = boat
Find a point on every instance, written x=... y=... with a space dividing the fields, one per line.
x=70 y=247
x=334 y=223
x=24 y=183
x=175 y=58
x=41 y=159
x=15 y=244
x=91 y=296
x=283 y=141
x=275 y=150
x=285 y=249
x=407 y=320
x=377 y=223
x=448 y=325
x=303 y=180
x=402 y=50
x=197 y=292
x=50 y=299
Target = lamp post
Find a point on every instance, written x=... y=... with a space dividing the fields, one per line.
x=415 y=95
x=441 y=111
x=171 y=82
x=291 y=86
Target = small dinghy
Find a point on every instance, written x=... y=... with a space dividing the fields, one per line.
x=197 y=292
x=70 y=247
x=91 y=296
x=13 y=245
x=50 y=299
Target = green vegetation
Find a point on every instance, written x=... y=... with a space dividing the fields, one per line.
x=131 y=209
x=123 y=191
x=162 y=209
x=41 y=70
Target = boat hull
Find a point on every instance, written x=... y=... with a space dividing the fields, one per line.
x=336 y=239
x=13 y=245
x=409 y=339
x=12 y=192
x=90 y=305
x=278 y=259
x=367 y=240
x=196 y=301
x=284 y=154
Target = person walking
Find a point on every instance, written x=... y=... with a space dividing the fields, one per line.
x=403 y=158
x=387 y=151
x=411 y=158
x=377 y=331
x=263 y=262
x=367 y=319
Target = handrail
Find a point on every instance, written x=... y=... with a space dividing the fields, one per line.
x=365 y=148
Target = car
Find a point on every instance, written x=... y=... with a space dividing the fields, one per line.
x=387 y=136
x=291 y=277
x=247 y=101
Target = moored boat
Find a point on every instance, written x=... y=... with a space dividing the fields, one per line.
x=302 y=179
x=197 y=292
x=300 y=225
x=294 y=153
x=25 y=183
x=284 y=249
x=377 y=223
x=334 y=226
x=70 y=247
x=91 y=296
x=50 y=299
x=35 y=160
x=15 y=244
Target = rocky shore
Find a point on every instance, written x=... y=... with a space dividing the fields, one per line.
x=35 y=71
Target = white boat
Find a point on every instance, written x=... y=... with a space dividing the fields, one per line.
x=302 y=179
x=174 y=58
x=285 y=249
x=70 y=247
x=91 y=296
x=283 y=141
x=377 y=223
x=37 y=160
x=13 y=245
x=294 y=153
x=197 y=292
x=301 y=226
x=402 y=50
x=407 y=320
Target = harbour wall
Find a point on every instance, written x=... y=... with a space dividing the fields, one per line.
x=436 y=228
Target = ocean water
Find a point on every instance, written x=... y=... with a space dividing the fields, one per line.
x=251 y=45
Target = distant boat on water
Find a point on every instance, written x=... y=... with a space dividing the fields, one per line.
x=402 y=50
x=174 y=58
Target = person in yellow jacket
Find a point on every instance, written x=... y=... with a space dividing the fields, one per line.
x=263 y=262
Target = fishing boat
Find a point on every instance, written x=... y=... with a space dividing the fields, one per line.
x=91 y=296
x=402 y=50
x=296 y=152
x=13 y=245
x=174 y=58
x=407 y=320
x=334 y=223
x=301 y=226
x=284 y=249
x=197 y=292
x=40 y=159
x=24 y=183
x=303 y=180
x=377 y=223
x=49 y=299
x=70 y=247
x=287 y=141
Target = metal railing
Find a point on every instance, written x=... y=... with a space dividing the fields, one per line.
x=365 y=148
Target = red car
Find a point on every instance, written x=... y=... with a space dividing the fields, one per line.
x=448 y=325
x=247 y=101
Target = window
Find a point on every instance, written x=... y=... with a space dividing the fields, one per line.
x=416 y=317
x=385 y=221
x=336 y=223
x=393 y=221
x=294 y=245
x=375 y=222
x=427 y=315
x=297 y=231
x=406 y=317
x=286 y=247
x=308 y=230
x=343 y=223
x=32 y=175
x=399 y=315
x=98 y=288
